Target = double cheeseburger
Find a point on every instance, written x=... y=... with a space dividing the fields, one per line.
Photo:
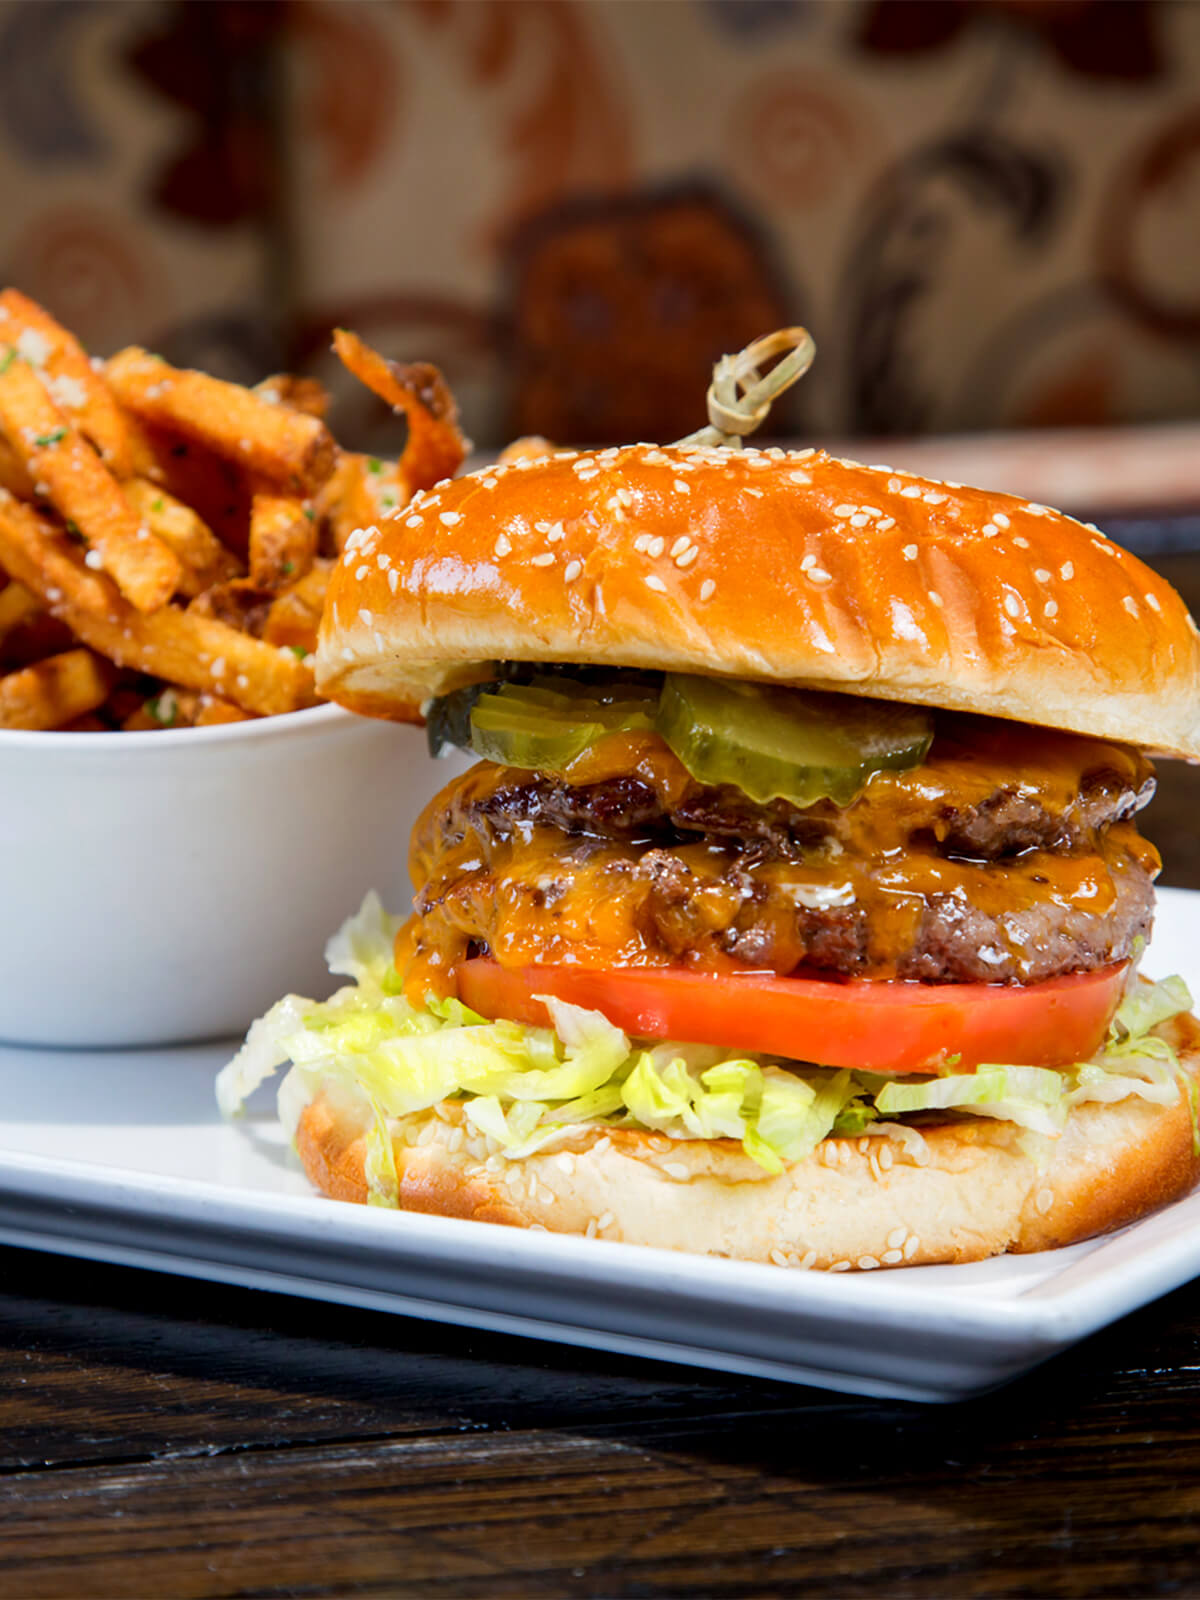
x=794 y=909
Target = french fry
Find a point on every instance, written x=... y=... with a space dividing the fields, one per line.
x=299 y=394
x=178 y=646
x=241 y=604
x=14 y=474
x=74 y=384
x=214 y=488
x=343 y=504
x=81 y=489
x=286 y=447
x=173 y=707
x=530 y=447
x=212 y=711
x=54 y=691
x=293 y=620
x=17 y=605
x=435 y=448
x=283 y=539
x=203 y=557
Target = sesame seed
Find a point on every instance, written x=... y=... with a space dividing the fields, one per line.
x=218 y=667
x=656 y=547
x=844 y=511
x=413 y=522
x=894 y=485
x=777 y=1256
x=680 y=487
x=605 y=1221
x=1042 y=575
x=543 y=527
x=897 y=1237
x=1067 y=571
x=546 y=559
x=1045 y=1200
x=1152 y=601
x=707 y=589
x=574 y=568
x=911 y=491
x=686 y=559
x=1131 y=606
x=911 y=1245
x=365 y=616
x=757 y=493
x=94 y=560
x=449 y=518
x=989 y=530
x=393 y=580
x=656 y=583
x=866 y=1263
x=1021 y=544
x=1050 y=609
x=840 y=1266
x=936 y=599
x=909 y=552
x=807 y=562
x=859 y=520
x=362 y=572
x=891 y=1258
x=1012 y=605
x=798 y=477
x=680 y=545
x=675 y=1169
x=383 y=562
x=503 y=547
x=555 y=532
x=933 y=497
x=819 y=576
x=887 y=522
x=809 y=1262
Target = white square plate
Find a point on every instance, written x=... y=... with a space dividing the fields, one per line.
x=120 y=1156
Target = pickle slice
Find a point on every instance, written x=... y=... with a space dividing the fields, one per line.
x=787 y=744
x=547 y=723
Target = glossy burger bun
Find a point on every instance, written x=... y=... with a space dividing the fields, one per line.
x=977 y=1190
x=793 y=567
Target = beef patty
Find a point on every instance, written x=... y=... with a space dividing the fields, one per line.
x=1008 y=856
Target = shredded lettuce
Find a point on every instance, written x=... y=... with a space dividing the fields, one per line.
x=524 y=1088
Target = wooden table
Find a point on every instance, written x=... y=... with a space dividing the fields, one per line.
x=162 y=1437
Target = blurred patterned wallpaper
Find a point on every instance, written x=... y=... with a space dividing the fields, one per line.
x=988 y=211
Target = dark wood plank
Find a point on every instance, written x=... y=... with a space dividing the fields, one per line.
x=232 y=1454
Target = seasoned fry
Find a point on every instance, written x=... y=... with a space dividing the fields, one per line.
x=435 y=448
x=54 y=691
x=300 y=394
x=531 y=447
x=204 y=559
x=286 y=447
x=242 y=604
x=214 y=488
x=14 y=474
x=294 y=618
x=74 y=384
x=173 y=707
x=17 y=605
x=283 y=539
x=81 y=489
x=212 y=710
x=176 y=645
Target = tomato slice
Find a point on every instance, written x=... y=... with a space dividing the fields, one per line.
x=873 y=1026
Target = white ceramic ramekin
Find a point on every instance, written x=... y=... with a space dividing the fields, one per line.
x=161 y=887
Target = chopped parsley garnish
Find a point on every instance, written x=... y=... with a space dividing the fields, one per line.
x=374 y=464
x=298 y=651
x=73 y=530
x=7 y=359
x=164 y=708
x=309 y=513
x=158 y=505
x=288 y=568
x=45 y=439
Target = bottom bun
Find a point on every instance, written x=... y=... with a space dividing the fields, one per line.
x=967 y=1190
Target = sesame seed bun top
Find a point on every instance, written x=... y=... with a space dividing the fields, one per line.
x=794 y=567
